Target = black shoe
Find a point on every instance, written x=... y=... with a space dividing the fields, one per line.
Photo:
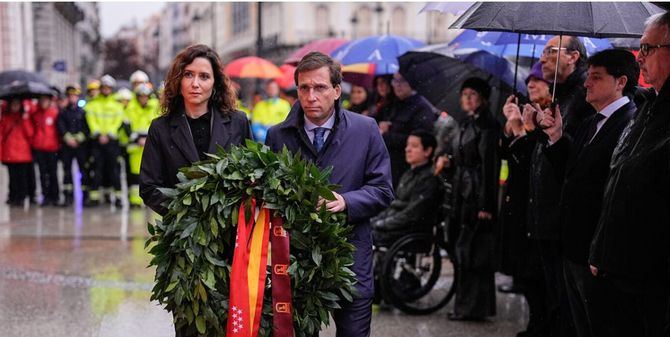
x=510 y=288
x=68 y=201
x=91 y=203
x=15 y=203
x=464 y=318
x=118 y=203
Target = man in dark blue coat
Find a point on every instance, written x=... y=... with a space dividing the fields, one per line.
x=351 y=143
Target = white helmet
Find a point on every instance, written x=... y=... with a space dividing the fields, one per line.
x=139 y=76
x=108 y=81
x=143 y=89
x=124 y=94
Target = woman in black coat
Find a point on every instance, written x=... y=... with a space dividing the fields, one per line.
x=199 y=113
x=475 y=186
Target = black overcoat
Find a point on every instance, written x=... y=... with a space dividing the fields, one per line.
x=170 y=147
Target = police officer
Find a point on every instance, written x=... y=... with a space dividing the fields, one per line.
x=105 y=117
x=74 y=133
x=139 y=114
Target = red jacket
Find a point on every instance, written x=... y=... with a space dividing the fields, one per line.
x=16 y=130
x=46 y=132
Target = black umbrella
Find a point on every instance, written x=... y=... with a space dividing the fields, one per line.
x=24 y=89
x=9 y=76
x=595 y=19
x=439 y=77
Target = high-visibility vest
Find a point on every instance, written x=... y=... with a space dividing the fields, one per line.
x=104 y=116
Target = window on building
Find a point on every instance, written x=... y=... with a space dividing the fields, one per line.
x=398 y=21
x=364 y=25
x=322 y=21
x=240 y=17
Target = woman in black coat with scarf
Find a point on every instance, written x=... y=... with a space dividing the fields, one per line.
x=198 y=114
x=476 y=168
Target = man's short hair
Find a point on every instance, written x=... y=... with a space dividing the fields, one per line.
x=315 y=60
x=427 y=139
x=618 y=62
x=660 y=20
x=575 y=44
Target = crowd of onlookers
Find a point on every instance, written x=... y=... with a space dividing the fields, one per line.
x=568 y=193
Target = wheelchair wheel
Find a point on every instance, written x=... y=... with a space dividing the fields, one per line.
x=416 y=278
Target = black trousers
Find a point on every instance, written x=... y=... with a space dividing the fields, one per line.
x=558 y=309
x=579 y=289
x=624 y=307
x=530 y=279
x=67 y=156
x=48 y=165
x=19 y=181
x=107 y=168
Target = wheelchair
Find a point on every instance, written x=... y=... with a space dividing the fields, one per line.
x=417 y=273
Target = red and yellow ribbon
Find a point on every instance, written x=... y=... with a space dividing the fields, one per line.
x=247 y=280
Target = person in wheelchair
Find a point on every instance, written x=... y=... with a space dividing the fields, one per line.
x=418 y=197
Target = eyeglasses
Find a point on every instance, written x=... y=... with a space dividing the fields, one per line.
x=319 y=89
x=398 y=81
x=549 y=51
x=646 y=48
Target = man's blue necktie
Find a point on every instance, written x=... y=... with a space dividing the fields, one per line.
x=318 y=138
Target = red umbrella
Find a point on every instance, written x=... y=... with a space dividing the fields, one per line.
x=252 y=67
x=286 y=81
x=325 y=46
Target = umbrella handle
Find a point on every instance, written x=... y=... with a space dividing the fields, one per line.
x=558 y=61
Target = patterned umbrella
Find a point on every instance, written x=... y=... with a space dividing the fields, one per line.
x=383 y=51
x=252 y=67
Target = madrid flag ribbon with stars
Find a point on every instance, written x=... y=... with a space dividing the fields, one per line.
x=247 y=280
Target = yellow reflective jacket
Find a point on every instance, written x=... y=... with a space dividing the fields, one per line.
x=270 y=112
x=104 y=115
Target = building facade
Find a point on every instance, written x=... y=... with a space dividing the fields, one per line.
x=16 y=36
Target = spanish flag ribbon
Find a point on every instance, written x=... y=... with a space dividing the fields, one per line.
x=247 y=280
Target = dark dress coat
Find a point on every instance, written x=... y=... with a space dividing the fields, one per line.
x=412 y=113
x=514 y=246
x=170 y=146
x=361 y=167
x=632 y=238
x=583 y=167
x=545 y=186
x=476 y=184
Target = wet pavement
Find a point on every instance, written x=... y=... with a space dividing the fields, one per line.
x=82 y=272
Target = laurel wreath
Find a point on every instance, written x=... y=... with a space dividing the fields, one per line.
x=192 y=246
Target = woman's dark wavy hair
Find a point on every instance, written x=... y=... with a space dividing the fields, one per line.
x=223 y=97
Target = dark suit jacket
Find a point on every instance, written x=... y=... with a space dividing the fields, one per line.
x=584 y=168
x=361 y=167
x=170 y=147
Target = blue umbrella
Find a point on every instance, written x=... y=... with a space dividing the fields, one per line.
x=383 y=51
x=504 y=43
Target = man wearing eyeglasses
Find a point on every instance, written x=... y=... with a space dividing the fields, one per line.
x=565 y=62
x=328 y=135
x=630 y=250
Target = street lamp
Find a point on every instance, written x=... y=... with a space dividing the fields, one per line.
x=379 y=10
x=354 y=23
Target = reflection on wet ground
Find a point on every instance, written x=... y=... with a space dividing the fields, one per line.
x=83 y=272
